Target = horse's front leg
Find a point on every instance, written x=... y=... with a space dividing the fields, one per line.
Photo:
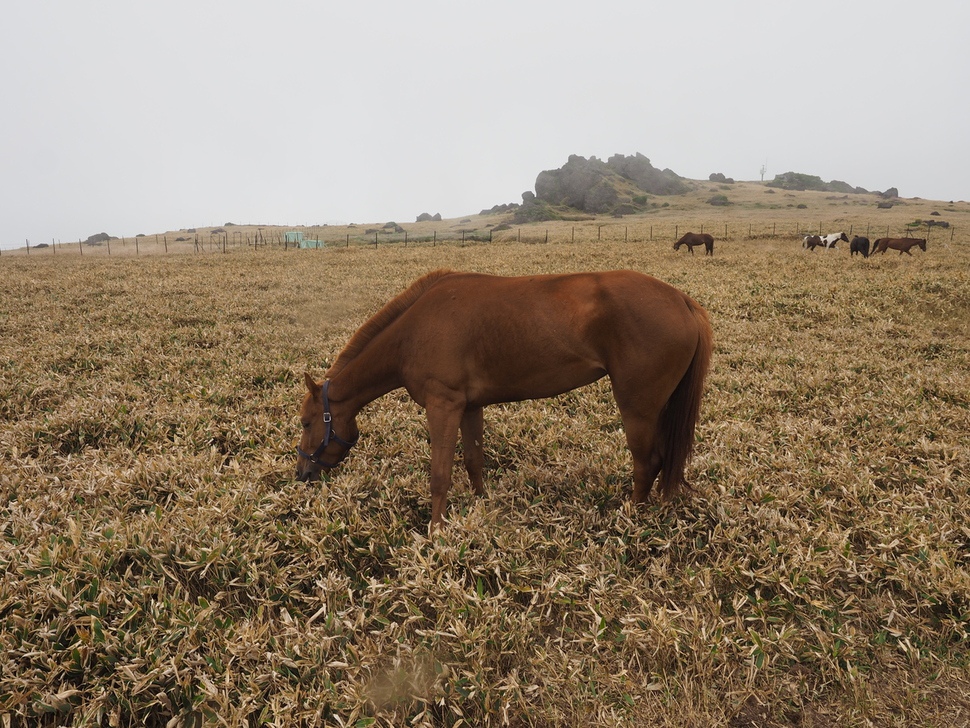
x=472 y=443
x=444 y=417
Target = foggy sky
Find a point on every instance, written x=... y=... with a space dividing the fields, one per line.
x=131 y=118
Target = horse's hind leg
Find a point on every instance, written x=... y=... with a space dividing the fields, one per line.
x=472 y=444
x=646 y=459
x=641 y=438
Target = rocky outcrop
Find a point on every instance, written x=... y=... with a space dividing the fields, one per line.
x=427 y=217
x=597 y=187
x=800 y=182
x=97 y=238
x=646 y=177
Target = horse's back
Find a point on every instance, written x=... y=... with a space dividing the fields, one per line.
x=504 y=338
x=564 y=304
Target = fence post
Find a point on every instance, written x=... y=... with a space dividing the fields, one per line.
x=28 y=245
x=79 y=247
x=677 y=232
x=136 y=245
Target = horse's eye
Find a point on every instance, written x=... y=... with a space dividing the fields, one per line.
x=306 y=425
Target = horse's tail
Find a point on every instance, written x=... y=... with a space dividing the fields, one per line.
x=680 y=415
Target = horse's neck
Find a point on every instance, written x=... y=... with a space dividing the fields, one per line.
x=369 y=375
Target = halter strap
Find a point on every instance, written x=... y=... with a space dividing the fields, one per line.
x=328 y=435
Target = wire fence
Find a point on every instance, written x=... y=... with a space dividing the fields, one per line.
x=223 y=241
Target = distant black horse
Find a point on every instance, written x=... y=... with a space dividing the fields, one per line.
x=859 y=244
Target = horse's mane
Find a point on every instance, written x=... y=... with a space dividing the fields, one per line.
x=383 y=318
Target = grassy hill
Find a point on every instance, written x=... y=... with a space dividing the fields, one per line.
x=753 y=211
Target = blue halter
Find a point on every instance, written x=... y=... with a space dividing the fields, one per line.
x=329 y=435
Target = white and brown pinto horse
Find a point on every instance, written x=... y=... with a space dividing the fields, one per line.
x=458 y=342
x=825 y=241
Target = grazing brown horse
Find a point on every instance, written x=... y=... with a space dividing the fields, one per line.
x=460 y=341
x=901 y=244
x=692 y=239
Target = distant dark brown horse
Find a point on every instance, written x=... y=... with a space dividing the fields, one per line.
x=460 y=341
x=692 y=239
x=901 y=244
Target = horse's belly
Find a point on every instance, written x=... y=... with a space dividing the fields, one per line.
x=496 y=385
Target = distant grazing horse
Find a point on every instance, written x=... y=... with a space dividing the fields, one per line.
x=460 y=341
x=692 y=239
x=901 y=244
x=859 y=244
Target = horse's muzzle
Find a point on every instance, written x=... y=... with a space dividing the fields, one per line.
x=307 y=476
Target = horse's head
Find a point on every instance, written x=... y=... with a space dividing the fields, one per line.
x=922 y=244
x=843 y=236
x=678 y=244
x=321 y=448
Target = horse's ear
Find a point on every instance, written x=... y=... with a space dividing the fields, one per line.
x=311 y=384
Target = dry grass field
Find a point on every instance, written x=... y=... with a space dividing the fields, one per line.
x=159 y=564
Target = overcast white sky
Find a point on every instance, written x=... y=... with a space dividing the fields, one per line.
x=130 y=117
